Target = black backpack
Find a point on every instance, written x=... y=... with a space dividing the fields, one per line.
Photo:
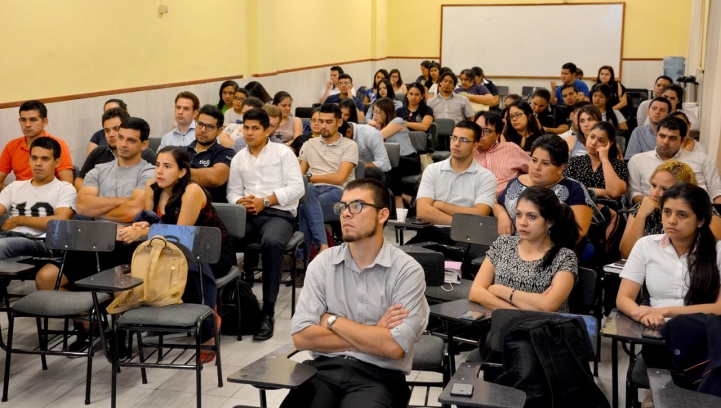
x=548 y=359
x=250 y=314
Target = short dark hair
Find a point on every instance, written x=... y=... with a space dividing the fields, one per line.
x=36 y=106
x=345 y=76
x=114 y=113
x=566 y=86
x=468 y=72
x=469 y=124
x=379 y=192
x=279 y=96
x=449 y=73
x=191 y=96
x=137 y=124
x=662 y=100
x=556 y=147
x=48 y=143
x=542 y=93
x=513 y=97
x=478 y=71
x=674 y=123
x=426 y=64
x=666 y=77
x=491 y=117
x=337 y=69
x=216 y=113
x=570 y=66
x=258 y=114
x=332 y=108
x=252 y=101
x=120 y=103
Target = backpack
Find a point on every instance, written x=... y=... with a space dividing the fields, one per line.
x=164 y=270
x=250 y=313
x=548 y=359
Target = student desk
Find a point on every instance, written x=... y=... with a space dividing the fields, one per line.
x=666 y=394
x=485 y=394
x=450 y=313
x=408 y=225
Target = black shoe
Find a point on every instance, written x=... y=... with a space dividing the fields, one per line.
x=266 y=329
x=299 y=280
x=79 y=345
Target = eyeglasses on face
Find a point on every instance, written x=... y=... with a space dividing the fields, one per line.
x=355 y=207
x=201 y=125
x=463 y=140
x=517 y=115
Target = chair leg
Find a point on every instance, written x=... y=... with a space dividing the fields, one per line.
x=89 y=373
x=141 y=356
x=198 y=364
x=217 y=353
x=42 y=338
x=293 y=277
x=237 y=308
x=65 y=332
x=8 y=354
x=114 y=364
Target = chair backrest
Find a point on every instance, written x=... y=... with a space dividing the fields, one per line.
x=433 y=134
x=74 y=235
x=621 y=142
x=502 y=91
x=474 y=229
x=154 y=144
x=419 y=140
x=199 y=244
x=233 y=216
x=360 y=170
x=304 y=198
x=527 y=91
x=445 y=126
x=394 y=153
x=303 y=112
x=583 y=295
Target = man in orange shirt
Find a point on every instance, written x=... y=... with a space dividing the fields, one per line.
x=16 y=154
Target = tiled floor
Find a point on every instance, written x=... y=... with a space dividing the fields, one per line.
x=63 y=384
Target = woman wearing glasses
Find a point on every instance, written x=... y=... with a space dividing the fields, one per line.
x=549 y=156
x=536 y=269
x=394 y=130
x=522 y=127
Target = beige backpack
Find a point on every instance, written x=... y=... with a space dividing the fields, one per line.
x=164 y=271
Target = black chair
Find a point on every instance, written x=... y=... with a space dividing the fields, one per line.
x=666 y=394
x=233 y=217
x=85 y=236
x=527 y=91
x=418 y=139
x=445 y=130
x=502 y=91
x=585 y=299
x=154 y=144
x=621 y=142
x=303 y=112
x=438 y=155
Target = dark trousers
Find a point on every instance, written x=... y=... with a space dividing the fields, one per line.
x=350 y=383
x=273 y=228
x=443 y=236
x=407 y=166
x=376 y=174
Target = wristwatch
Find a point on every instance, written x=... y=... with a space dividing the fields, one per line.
x=329 y=323
x=266 y=203
x=308 y=175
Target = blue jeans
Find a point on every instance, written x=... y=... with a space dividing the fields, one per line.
x=317 y=211
x=14 y=244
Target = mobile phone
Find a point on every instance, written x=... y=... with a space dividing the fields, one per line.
x=472 y=316
x=419 y=221
x=651 y=334
x=463 y=390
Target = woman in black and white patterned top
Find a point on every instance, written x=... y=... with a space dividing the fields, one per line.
x=536 y=269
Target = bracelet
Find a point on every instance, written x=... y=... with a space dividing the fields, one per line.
x=510 y=298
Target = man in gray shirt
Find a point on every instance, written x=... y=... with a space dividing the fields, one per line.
x=361 y=311
x=643 y=138
x=371 y=151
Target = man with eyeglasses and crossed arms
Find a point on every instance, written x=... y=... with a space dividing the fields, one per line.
x=456 y=185
x=209 y=160
x=361 y=311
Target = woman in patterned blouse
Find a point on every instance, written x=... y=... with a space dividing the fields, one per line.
x=536 y=269
x=601 y=169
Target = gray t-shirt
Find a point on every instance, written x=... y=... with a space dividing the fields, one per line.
x=114 y=181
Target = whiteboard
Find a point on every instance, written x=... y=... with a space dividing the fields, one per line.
x=532 y=40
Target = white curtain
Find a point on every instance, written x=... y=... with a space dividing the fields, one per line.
x=711 y=85
x=695 y=38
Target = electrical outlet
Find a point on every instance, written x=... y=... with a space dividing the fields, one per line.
x=163 y=9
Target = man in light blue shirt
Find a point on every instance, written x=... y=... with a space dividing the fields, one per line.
x=187 y=106
x=568 y=76
x=643 y=138
x=371 y=150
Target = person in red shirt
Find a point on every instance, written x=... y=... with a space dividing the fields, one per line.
x=16 y=154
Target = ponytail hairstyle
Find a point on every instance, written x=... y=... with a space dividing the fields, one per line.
x=563 y=230
x=704 y=282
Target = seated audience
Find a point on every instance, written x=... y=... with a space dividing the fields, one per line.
x=601 y=170
x=448 y=104
x=482 y=80
x=177 y=200
x=552 y=118
x=579 y=74
x=521 y=128
x=186 y=110
x=568 y=71
x=298 y=142
x=348 y=110
x=600 y=97
x=505 y=160
x=474 y=92
x=328 y=163
x=689 y=143
x=289 y=127
x=671 y=132
x=235 y=115
x=536 y=269
x=658 y=87
x=394 y=130
x=674 y=94
x=425 y=74
x=586 y=117
x=570 y=96
x=385 y=90
x=508 y=100
x=399 y=88
x=618 y=99
x=275 y=116
x=415 y=111
x=257 y=89
x=371 y=150
x=644 y=218
x=361 y=311
x=372 y=92
x=345 y=84
x=680 y=268
x=209 y=160
x=265 y=178
x=98 y=138
x=225 y=94
x=643 y=138
x=549 y=156
x=455 y=185
x=232 y=134
x=16 y=153
x=331 y=87
x=434 y=73
x=111 y=120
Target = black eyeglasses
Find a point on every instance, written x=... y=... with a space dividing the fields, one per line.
x=205 y=125
x=355 y=207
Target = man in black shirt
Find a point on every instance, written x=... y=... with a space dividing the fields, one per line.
x=552 y=117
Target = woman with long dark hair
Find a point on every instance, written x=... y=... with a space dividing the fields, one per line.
x=225 y=95
x=585 y=117
x=521 y=128
x=618 y=91
x=601 y=99
x=257 y=89
x=536 y=269
x=290 y=127
x=372 y=93
x=399 y=88
x=385 y=90
x=417 y=114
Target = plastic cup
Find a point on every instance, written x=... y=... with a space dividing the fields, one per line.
x=401 y=214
